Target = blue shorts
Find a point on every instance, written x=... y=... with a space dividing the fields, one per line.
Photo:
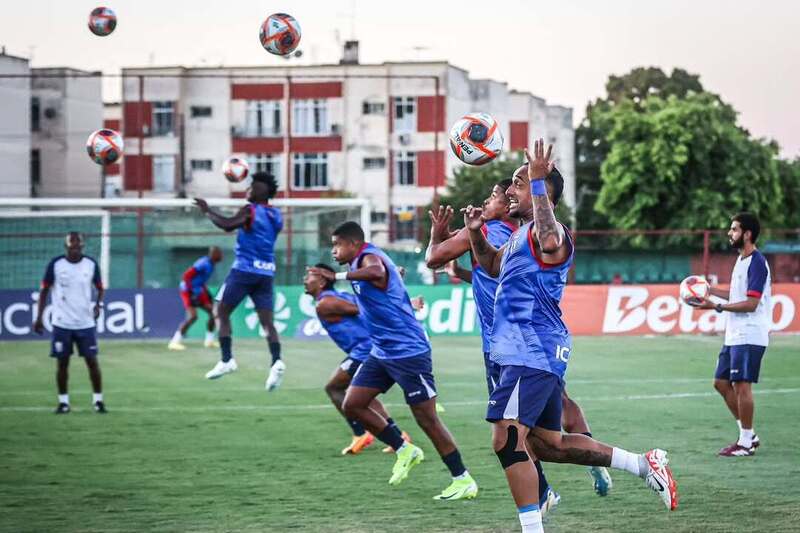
x=740 y=363
x=350 y=366
x=492 y=372
x=239 y=284
x=529 y=395
x=413 y=374
x=63 y=339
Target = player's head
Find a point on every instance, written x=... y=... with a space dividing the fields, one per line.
x=314 y=283
x=215 y=254
x=495 y=207
x=519 y=193
x=263 y=186
x=347 y=240
x=73 y=244
x=744 y=229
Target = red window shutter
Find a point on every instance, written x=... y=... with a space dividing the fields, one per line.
x=137 y=170
x=130 y=114
x=519 y=135
x=330 y=89
x=112 y=124
x=257 y=91
x=430 y=169
x=430 y=113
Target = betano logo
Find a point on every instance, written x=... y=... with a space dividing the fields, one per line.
x=282 y=314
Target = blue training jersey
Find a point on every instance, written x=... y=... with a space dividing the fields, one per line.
x=350 y=333
x=390 y=318
x=528 y=329
x=201 y=272
x=484 y=286
x=255 y=243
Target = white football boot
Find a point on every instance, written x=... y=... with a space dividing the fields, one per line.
x=220 y=369
x=275 y=377
x=659 y=478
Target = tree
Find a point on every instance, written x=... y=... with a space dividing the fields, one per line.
x=684 y=163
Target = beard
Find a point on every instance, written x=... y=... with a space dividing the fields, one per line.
x=737 y=244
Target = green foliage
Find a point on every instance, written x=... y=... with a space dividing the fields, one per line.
x=789 y=178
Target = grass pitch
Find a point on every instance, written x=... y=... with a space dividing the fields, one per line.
x=179 y=453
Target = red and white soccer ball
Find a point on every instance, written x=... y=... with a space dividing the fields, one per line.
x=476 y=139
x=235 y=169
x=280 y=34
x=694 y=290
x=105 y=146
x=102 y=21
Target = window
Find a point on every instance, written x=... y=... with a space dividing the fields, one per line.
x=310 y=171
x=374 y=163
x=269 y=163
x=262 y=118
x=163 y=173
x=405 y=164
x=374 y=108
x=198 y=111
x=202 y=164
x=405 y=227
x=378 y=217
x=310 y=117
x=405 y=113
x=36 y=172
x=163 y=118
x=36 y=107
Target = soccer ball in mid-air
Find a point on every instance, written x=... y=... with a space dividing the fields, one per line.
x=476 y=139
x=694 y=290
x=102 y=21
x=235 y=169
x=280 y=34
x=105 y=146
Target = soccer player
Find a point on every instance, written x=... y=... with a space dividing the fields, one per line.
x=339 y=314
x=71 y=277
x=749 y=314
x=252 y=272
x=445 y=246
x=531 y=345
x=194 y=294
x=400 y=354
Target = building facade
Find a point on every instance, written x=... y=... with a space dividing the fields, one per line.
x=15 y=126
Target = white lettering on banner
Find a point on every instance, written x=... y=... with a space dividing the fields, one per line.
x=452 y=308
x=787 y=311
x=8 y=319
x=121 y=321
x=469 y=320
x=138 y=314
x=307 y=305
x=614 y=320
x=660 y=308
x=685 y=318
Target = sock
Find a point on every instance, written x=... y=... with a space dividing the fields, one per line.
x=543 y=485
x=97 y=397
x=745 y=438
x=631 y=462
x=587 y=433
x=739 y=423
x=63 y=398
x=530 y=519
x=275 y=351
x=454 y=463
x=357 y=428
x=225 y=349
x=209 y=336
x=391 y=422
x=178 y=337
x=391 y=437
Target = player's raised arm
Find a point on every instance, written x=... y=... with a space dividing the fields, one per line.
x=331 y=307
x=372 y=270
x=454 y=270
x=488 y=256
x=240 y=220
x=444 y=245
x=549 y=233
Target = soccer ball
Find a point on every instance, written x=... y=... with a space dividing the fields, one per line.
x=280 y=34
x=102 y=21
x=105 y=146
x=235 y=169
x=476 y=139
x=694 y=290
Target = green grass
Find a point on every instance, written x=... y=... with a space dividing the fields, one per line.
x=179 y=453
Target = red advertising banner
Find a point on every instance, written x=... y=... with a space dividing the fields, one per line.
x=657 y=310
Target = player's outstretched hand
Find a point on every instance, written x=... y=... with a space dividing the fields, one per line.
x=704 y=304
x=473 y=217
x=38 y=326
x=539 y=165
x=418 y=303
x=201 y=204
x=323 y=273
x=440 y=221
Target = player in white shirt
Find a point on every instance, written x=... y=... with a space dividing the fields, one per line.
x=748 y=314
x=70 y=278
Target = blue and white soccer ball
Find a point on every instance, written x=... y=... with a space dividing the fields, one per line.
x=476 y=139
x=280 y=34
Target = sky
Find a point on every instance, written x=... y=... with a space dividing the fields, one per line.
x=564 y=50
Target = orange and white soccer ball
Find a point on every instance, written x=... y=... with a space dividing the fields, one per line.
x=235 y=169
x=280 y=34
x=694 y=290
x=102 y=21
x=105 y=146
x=476 y=138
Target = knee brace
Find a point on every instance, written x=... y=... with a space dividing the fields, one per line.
x=508 y=454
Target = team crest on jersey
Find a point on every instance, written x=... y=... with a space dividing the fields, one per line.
x=514 y=242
